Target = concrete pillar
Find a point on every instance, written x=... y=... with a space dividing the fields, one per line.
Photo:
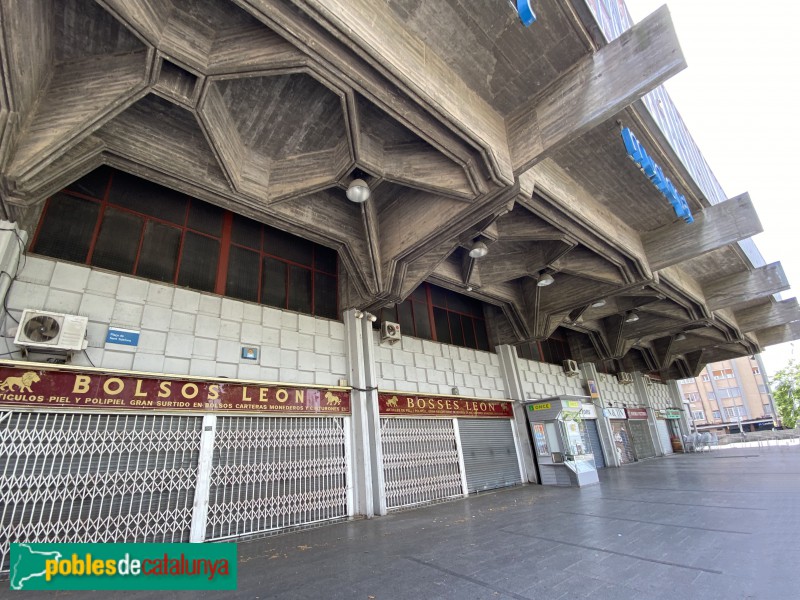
x=12 y=245
x=644 y=398
x=677 y=401
x=372 y=416
x=603 y=423
x=513 y=381
x=361 y=467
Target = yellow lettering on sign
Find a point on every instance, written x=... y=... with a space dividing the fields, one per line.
x=544 y=406
x=573 y=404
x=81 y=384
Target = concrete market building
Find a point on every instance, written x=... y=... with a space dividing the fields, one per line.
x=324 y=256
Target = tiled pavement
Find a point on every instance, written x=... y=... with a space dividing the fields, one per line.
x=719 y=525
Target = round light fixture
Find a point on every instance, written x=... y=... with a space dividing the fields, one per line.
x=358 y=191
x=478 y=250
x=599 y=303
x=631 y=316
x=545 y=280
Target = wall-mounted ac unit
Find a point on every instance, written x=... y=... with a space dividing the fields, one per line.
x=48 y=331
x=647 y=379
x=571 y=368
x=624 y=378
x=390 y=332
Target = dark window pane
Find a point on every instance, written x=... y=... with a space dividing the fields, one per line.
x=273 y=282
x=456 y=330
x=325 y=259
x=206 y=218
x=480 y=332
x=442 y=325
x=199 y=260
x=288 y=246
x=118 y=241
x=67 y=228
x=459 y=303
x=246 y=232
x=406 y=318
x=420 y=294
x=388 y=314
x=469 y=332
x=422 y=320
x=93 y=184
x=148 y=198
x=438 y=296
x=159 y=255
x=299 y=289
x=243 y=268
x=325 y=296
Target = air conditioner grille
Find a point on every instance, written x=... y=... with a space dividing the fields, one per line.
x=42 y=329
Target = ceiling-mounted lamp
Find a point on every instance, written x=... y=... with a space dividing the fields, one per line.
x=680 y=337
x=358 y=191
x=631 y=316
x=478 y=250
x=545 y=279
x=599 y=303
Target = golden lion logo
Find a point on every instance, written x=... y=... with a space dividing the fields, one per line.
x=392 y=402
x=22 y=383
x=332 y=400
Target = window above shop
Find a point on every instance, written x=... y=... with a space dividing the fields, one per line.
x=554 y=350
x=116 y=221
x=433 y=313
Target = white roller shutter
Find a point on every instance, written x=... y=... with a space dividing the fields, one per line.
x=663 y=436
x=490 y=455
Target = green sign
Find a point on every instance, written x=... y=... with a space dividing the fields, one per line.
x=123 y=567
x=672 y=413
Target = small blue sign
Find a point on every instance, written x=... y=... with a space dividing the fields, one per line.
x=123 y=337
x=654 y=173
x=250 y=352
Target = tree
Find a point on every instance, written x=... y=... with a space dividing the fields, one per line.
x=786 y=392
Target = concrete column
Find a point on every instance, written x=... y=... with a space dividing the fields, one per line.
x=765 y=379
x=363 y=496
x=642 y=391
x=514 y=389
x=603 y=423
x=373 y=417
x=677 y=401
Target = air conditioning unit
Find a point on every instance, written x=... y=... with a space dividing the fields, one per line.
x=647 y=379
x=571 y=368
x=390 y=332
x=624 y=378
x=51 y=332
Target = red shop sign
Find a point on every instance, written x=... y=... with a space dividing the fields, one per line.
x=46 y=389
x=399 y=404
x=636 y=413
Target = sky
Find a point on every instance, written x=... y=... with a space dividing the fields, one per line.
x=739 y=97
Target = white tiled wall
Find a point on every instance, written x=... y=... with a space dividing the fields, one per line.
x=614 y=392
x=659 y=396
x=543 y=380
x=182 y=331
x=415 y=365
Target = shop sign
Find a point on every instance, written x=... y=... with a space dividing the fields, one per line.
x=541 y=406
x=672 y=413
x=588 y=411
x=614 y=413
x=573 y=404
x=593 y=391
x=394 y=404
x=637 y=413
x=45 y=389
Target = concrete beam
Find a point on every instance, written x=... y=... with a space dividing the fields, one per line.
x=595 y=89
x=746 y=286
x=778 y=335
x=768 y=315
x=717 y=226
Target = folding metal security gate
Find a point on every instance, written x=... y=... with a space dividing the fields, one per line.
x=593 y=437
x=96 y=477
x=623 y=442
x=420 y=461
x=642 y=440
x=78 y=477
x=274 y=472
x=490 y=454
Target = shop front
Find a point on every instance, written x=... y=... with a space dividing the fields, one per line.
x=623 y=441
x=589 y=418
x=439 y=447
x=99 y=456
x=640 y=433
x=669 y=435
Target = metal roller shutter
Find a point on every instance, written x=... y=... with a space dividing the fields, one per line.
x=594 y=442
x=490 y=455
x=663 y=436
x=642 y=442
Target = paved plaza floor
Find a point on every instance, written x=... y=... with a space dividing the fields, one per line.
x=718 y=525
